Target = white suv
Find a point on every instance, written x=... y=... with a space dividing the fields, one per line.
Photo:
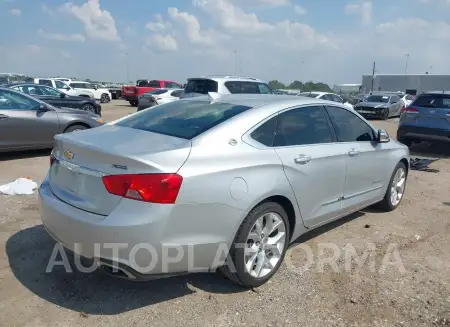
x=225 y=85
x=99 y=93
x=63 y=87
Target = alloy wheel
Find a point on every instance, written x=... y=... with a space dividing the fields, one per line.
x=265 y=244
x=88 y=107
x=398 y=186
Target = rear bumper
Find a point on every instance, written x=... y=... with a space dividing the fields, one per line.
x=144 y=238
x=415 y=133
x=130 y=97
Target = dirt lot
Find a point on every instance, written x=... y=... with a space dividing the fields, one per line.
x=419 y=295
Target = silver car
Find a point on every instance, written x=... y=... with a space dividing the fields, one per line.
x=216 y=182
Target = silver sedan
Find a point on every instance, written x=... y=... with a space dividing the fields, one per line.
x=213 y=182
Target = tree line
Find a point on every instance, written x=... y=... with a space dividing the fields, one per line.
x=297 y=85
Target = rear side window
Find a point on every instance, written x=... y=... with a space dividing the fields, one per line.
x=154 y=84
x=234 y=87
x=265 y=133
x=349 y=127
x=433 y=101
x=176 y=93
x=184 y=119
x=202 y=86
x=250 y=88
x=45 y=82
x=302 y=126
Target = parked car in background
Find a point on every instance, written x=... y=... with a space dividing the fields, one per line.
x=131 y=93
x=427 y=118
x=225 y=85
x=407 y=99
x=326 y=96
x=60 y=85
x=245 y=173
x=159 y=96
x=29 y=123
x=380 y=106
x=99 y=93
x=57 y=98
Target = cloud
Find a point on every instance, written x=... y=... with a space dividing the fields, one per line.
x=159 y=25
x=98 y=24
x=162 y=43
x=16 y=12
x=232 y=18
x=272 y=3
x=46 y=9
x=299 y=10
x=362 y=8
x=61 y=37
x=191 y=27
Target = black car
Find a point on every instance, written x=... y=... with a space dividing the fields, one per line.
x=57 y=98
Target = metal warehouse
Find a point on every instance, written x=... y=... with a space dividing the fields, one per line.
x=410 y=83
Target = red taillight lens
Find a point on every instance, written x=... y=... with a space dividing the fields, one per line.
x=155 y=188
x=52 y=159
x=411 y=110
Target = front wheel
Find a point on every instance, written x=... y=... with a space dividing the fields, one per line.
x=396 y=189
x=385 y=114
x=259 y=246
x=105 y=98
x=89 y=107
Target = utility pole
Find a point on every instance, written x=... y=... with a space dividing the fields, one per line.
x=406 y=64
x=373 y=76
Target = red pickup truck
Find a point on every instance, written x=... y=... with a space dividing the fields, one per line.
x=131 y=92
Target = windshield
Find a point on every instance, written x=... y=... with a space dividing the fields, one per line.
x=184 y=119
x=309 y=95
x=378 y=98
x=202 y=86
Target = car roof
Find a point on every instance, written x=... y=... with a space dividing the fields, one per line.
x=18 y=83
x=437 y=92
x=219 y=78
x=74 y=81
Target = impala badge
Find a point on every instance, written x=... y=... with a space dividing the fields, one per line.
x=68 y=155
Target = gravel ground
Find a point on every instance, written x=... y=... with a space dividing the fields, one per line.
x=413 y=292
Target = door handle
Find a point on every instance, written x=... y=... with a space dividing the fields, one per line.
x=3 y=116
x=353 y=152
x=302 y=160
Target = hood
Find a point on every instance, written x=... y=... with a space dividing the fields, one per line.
x=372 y=104
x=75 y=111
x=103 y=89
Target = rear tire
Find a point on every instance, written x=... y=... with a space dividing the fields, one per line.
x=105 y=98
x=134 y=103
x=399 y=174
x=75 y=128
x=254 y=257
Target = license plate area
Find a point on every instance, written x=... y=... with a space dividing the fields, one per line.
x=365 y=112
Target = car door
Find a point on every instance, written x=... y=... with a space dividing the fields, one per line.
x=23 y=124
x=365 y=176
x=51 y=95
x=313 y=163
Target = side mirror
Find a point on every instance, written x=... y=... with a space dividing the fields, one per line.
x=43 y=108
x=383 y=136
x=62 y=95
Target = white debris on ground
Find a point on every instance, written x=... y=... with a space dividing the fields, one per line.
x=21 y=186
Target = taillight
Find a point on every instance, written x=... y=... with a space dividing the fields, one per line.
x=52 y=159
x=410 y=110
x=155 y=188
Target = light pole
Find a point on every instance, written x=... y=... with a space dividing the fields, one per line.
x=406 y=64
x=302 y=74
x=431 y=70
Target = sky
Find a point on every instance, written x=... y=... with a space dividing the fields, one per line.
x=331 y=41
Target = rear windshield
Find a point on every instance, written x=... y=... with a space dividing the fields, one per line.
x=202 y=86
x=433 y=101
x=184 y=118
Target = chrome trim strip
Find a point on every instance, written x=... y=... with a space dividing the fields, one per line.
x=79 y=169
x=346 y=197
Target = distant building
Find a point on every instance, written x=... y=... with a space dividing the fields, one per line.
x=410 y=83
x=346 y=88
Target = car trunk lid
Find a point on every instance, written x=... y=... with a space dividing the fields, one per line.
x=430 y=110
x=83 y=158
